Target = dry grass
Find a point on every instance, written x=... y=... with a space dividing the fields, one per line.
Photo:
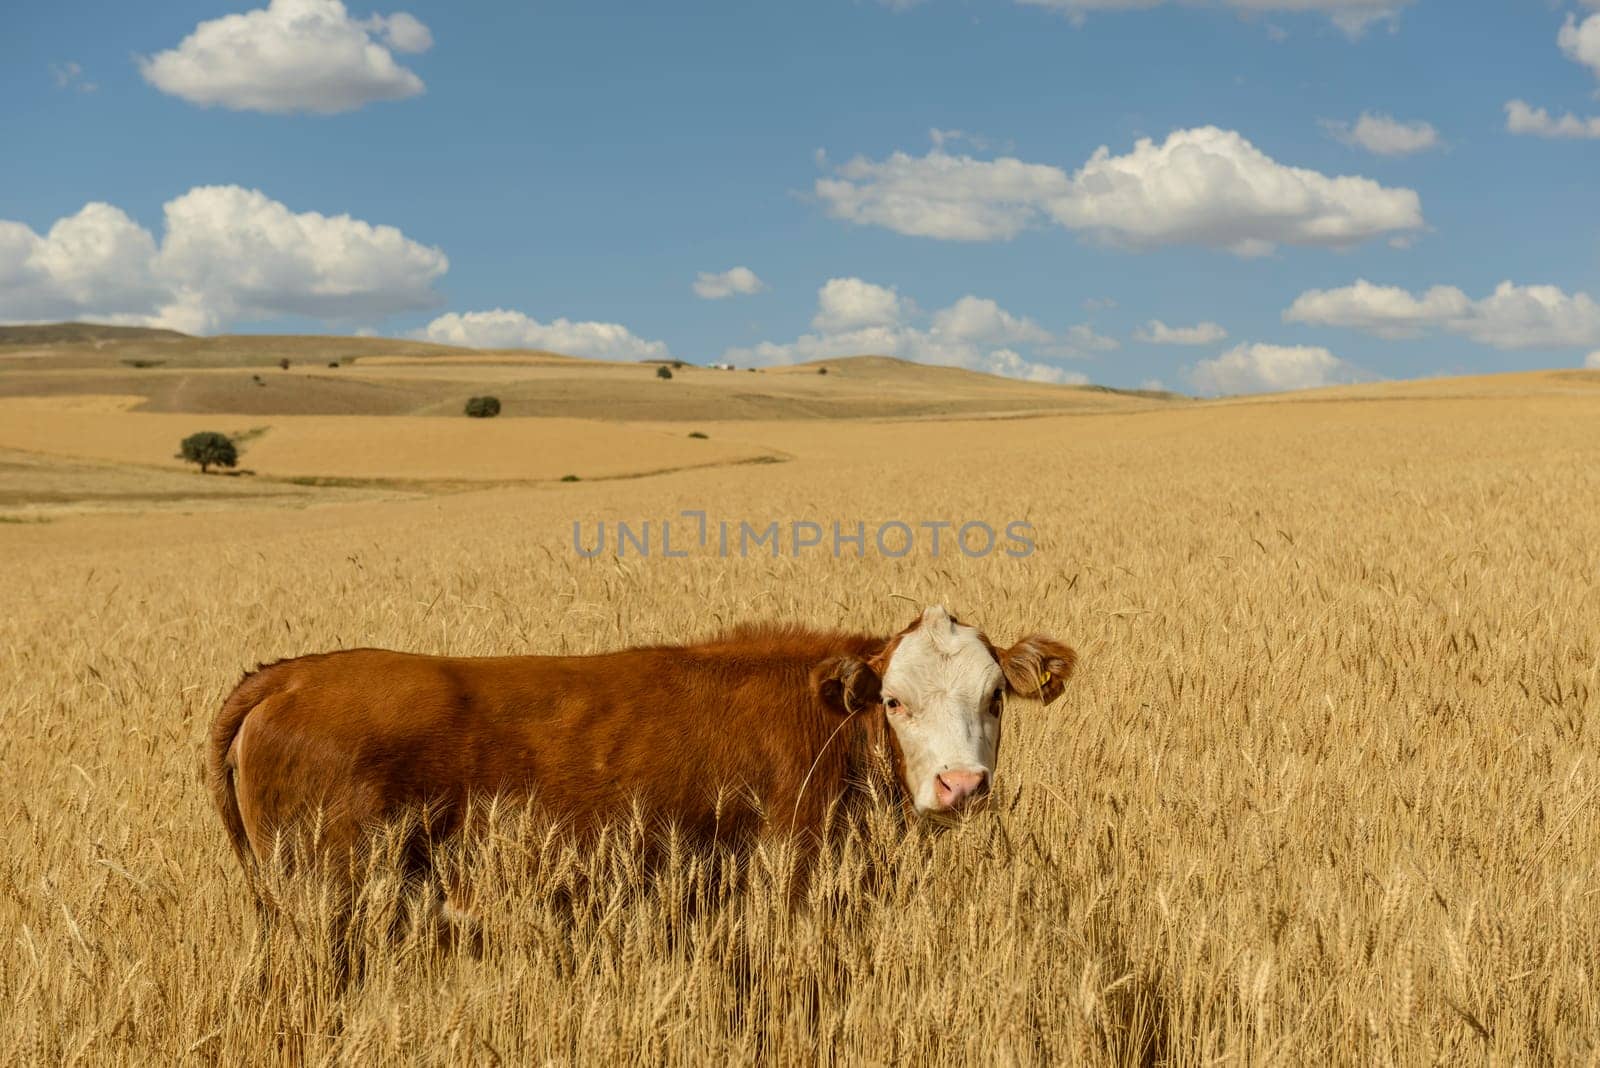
x=1324 y=789
x=38 y=488
x=366 y=447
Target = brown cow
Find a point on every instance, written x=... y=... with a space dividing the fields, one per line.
x=786 y=715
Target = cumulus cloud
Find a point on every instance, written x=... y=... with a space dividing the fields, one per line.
x=952 y=198
x=1592 y=361
x=1260 y=368
x=1385 y=135
x=1387 y=311
x=1007 y=363
x=503 y=329
x=859 y=318
x=735 y=281
x=1580 y=41
x=1522 y=118
x=982 y=320
x=850 y=304
x=293 y=55
x=246 y=256
x=1351 y=16
x=1512 y=317
x=97 y=259
x=1081 y=342
x=228 y=255
x=1156 y=332
x=1207 y=186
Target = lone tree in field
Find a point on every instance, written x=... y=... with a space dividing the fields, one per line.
x=284 y=363
x=663 y=371
x=208 y=448
x=483 y=407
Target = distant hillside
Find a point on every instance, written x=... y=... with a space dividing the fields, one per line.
x=91 y=346
x=243 y=374
x=894 y=370
x=68 y=333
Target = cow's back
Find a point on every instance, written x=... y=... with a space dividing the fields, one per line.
x=707 y=737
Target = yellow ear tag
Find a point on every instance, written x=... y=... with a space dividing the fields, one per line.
x=1044 y=680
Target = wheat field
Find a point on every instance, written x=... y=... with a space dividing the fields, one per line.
x=1322 y=791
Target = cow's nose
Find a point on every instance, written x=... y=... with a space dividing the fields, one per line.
x=956 y=788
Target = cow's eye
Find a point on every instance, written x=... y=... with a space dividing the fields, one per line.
x=996 y=699
x=892 y=704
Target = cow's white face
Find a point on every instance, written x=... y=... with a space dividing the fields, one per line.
x=942 y=691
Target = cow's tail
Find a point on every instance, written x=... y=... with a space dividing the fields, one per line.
x=220 y=772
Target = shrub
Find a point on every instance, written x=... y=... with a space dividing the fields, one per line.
x=677 y=365
x=663 y=371
x=822 y=370
x=208 y=448
x=569 y=478
x=333 y=363
x=284 y=363
x=697 y=434
x=483 y=407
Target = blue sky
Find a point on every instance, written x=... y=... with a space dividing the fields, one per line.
x=578 y=166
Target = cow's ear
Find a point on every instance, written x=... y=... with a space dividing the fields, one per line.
x=846 y=684
x=1038 y=666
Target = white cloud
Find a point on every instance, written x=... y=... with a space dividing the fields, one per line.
x=1512 y=317
x=1385 y=135
x=858 y=318
x=982 y=320
x=293 y=55
x=1156 y=332
x=953 y=198
x=246 y=256
x=502 y=329
x=1533 y=317
x=1205 y=186
x=98 y=259
x=1260 y=368
x=1580 y=41
x=735 y=281
x=1522 y=118
x=1592 y=361
x=1212 y=187
x=1351 y=16
x=1387 y=311
x=851 y=304
x=228 y=255
x=1009 y=364
x=1081 y=342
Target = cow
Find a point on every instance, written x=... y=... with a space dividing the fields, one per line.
x=792 y=718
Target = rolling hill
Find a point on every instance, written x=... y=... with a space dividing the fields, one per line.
x=240 y=374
